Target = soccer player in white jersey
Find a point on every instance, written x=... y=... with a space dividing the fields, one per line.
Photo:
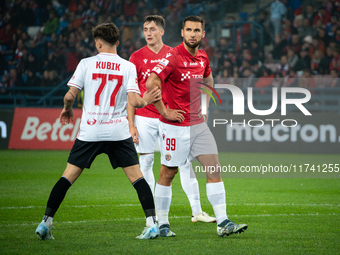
x=144 y=122
x=191 y=137
x=108 y=81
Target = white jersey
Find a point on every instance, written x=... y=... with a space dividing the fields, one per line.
x=105 y=78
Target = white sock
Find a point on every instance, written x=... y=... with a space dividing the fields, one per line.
x=146 y=163
x=150 y=221
x=48 y=220
x=190 y=187
x=216 y=197
x=163 y=196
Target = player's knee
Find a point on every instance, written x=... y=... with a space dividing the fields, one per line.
x=168 y=173
x=147 y=160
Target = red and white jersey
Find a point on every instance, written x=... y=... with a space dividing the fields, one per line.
x=145 y=60
x=105 y=78
x=175 y=70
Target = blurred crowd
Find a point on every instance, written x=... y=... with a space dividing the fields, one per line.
x=42 y=41
x=303 y=43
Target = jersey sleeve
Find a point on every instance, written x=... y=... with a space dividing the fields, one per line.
x=165 y=66
x=132 y=81
x=77 y=79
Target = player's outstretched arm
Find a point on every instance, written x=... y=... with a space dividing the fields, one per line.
x=67 y=113
x=175 y=115
x=148 y=98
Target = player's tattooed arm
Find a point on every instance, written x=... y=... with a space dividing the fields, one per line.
x=72 y=94
x=67 y=113
x=70 y=97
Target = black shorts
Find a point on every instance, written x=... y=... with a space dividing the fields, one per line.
x=121 y=153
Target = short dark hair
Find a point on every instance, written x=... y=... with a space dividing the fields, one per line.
x=159 y=20
x=107 y=32
x=194 y=18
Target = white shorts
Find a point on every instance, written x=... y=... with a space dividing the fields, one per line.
x=179 y=143
x=148 y=129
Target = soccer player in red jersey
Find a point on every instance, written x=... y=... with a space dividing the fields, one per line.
x=190 y=138
x=144 y=122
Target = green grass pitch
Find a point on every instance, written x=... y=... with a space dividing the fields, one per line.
x=101 y=213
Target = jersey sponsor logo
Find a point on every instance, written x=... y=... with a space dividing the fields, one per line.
x=163 y=136
x=146 y=74
x=188 y=76
x=194 y=64
x=202 y=63
x=91 y=122
x=107 y=65
x=168 y=55
x=102 y=122
x=185 y=76
x=145 y=61
x=168 y=156
x=155 y=61
x=185 y=64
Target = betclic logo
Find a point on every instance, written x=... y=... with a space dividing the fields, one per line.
x=40 y=128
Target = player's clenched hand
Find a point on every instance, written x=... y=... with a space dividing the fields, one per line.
x=152 y=96
x=66 y=116
x=174 y=115
x=134 y=134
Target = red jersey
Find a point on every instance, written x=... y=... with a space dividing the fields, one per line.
x=175 y=70
x=145 y=60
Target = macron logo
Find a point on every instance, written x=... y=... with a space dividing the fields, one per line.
x=145 y=60
x=168 y=55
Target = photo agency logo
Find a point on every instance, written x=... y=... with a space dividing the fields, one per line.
x=204 y=97
x=302 y=96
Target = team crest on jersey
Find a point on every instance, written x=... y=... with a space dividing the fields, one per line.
x=168 y=156
x=168 y=55
x=91 y=122
x=185 y=63
x=145 y=61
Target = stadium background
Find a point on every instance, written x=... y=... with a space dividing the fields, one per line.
x=41 y=44
x=43 y=41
